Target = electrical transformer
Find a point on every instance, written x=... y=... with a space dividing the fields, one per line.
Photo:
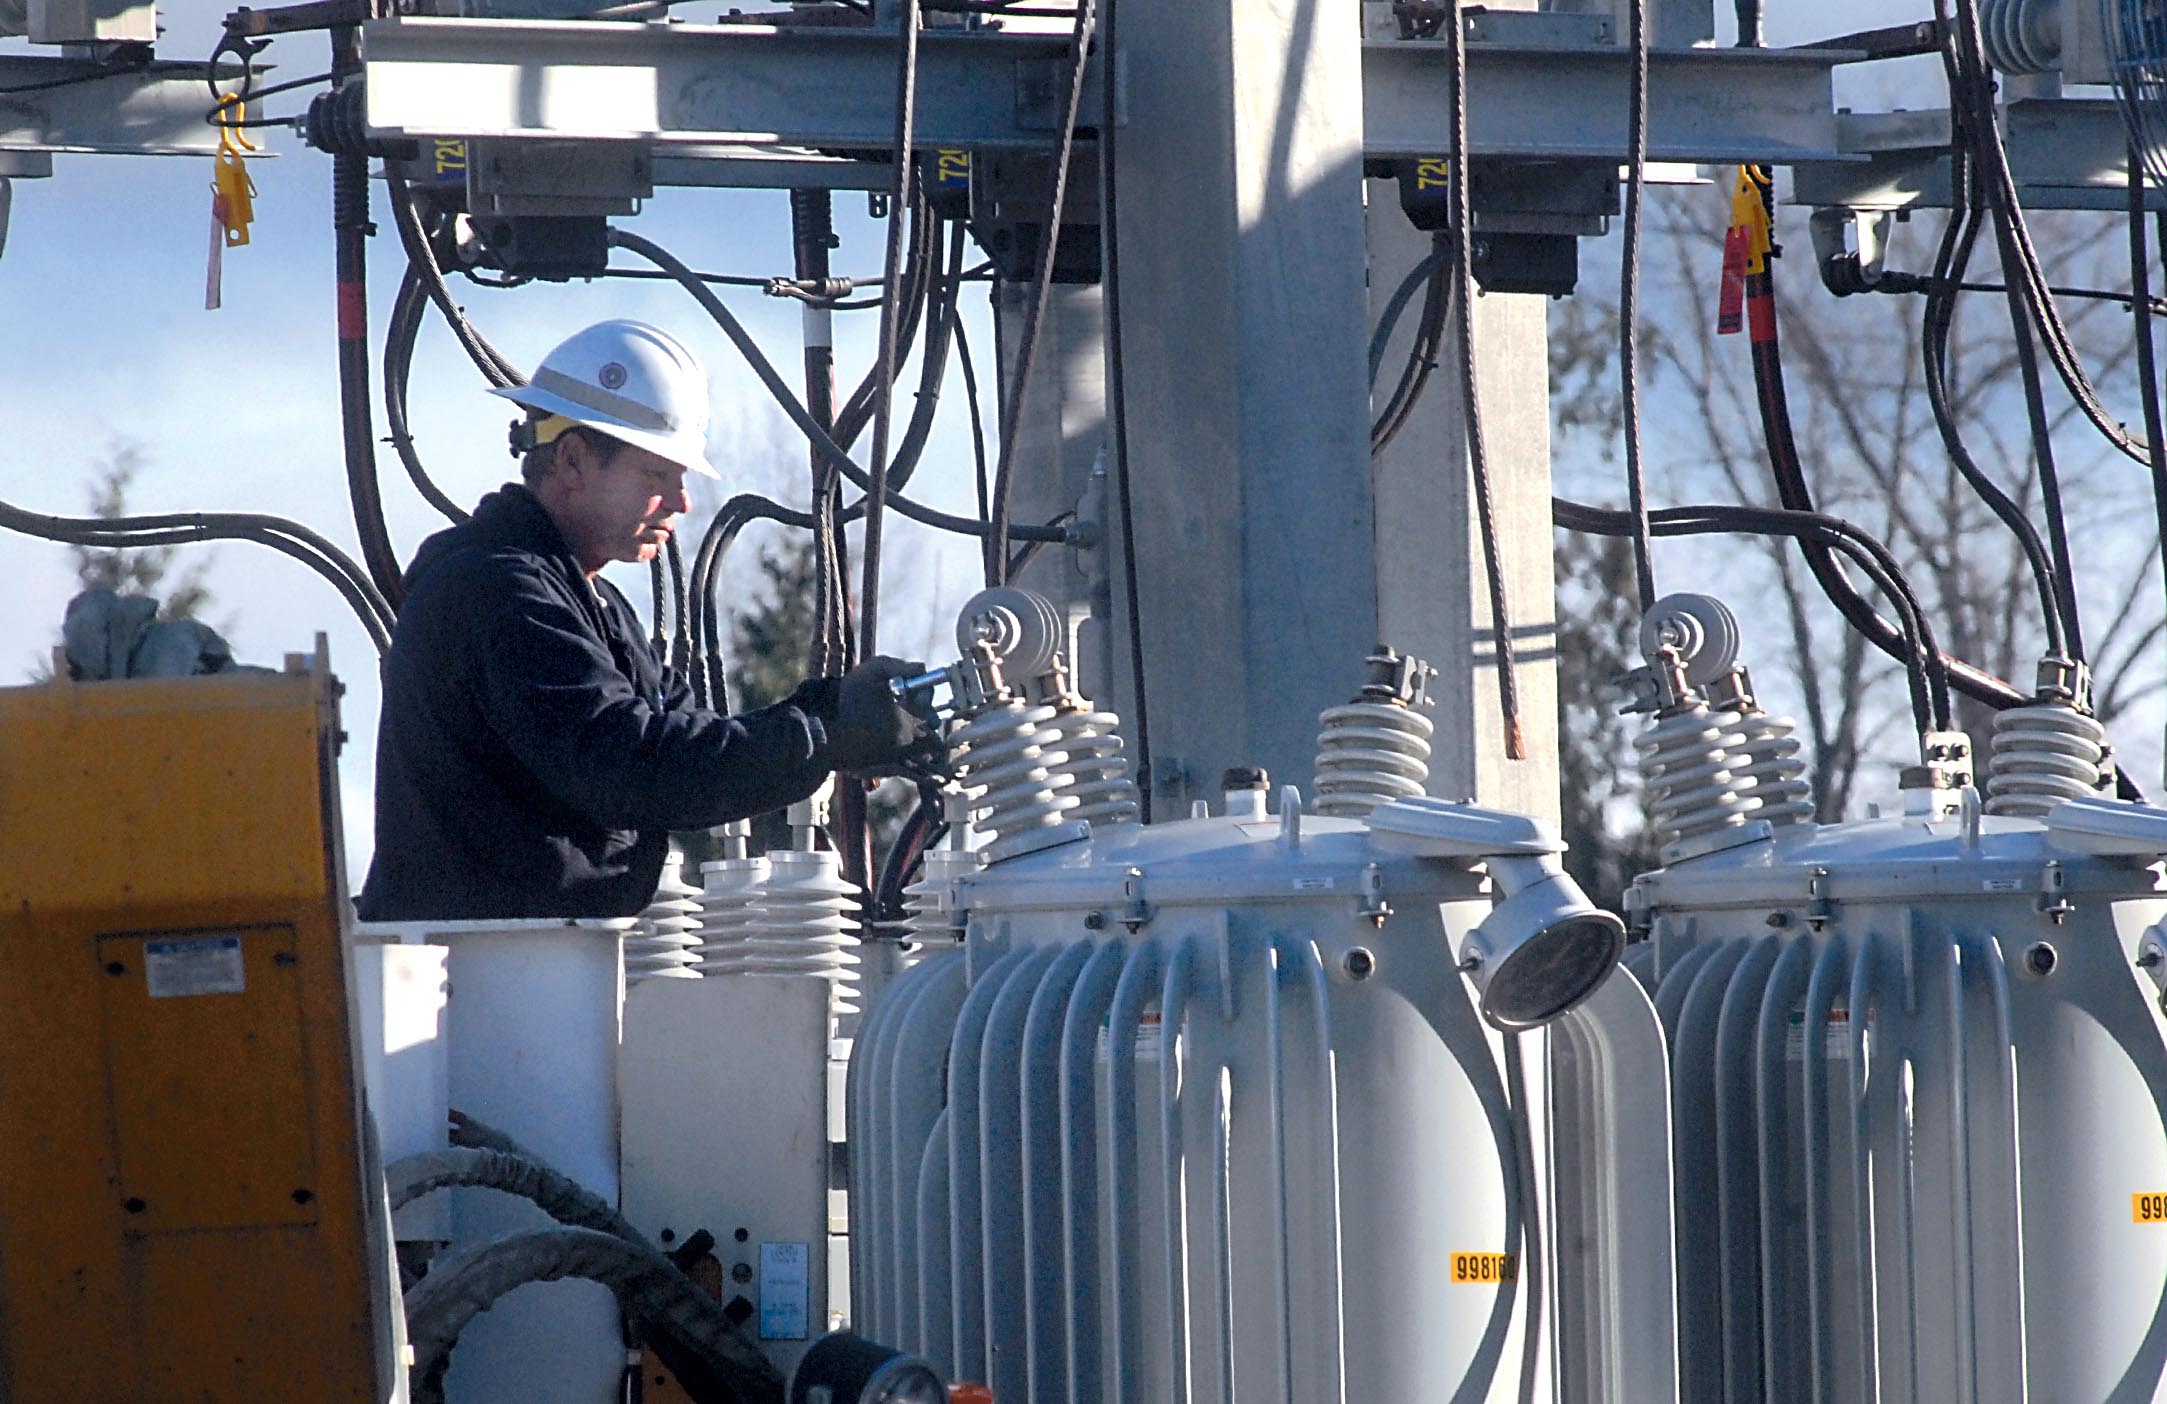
x=1918 y=1079
x=1209 y=1109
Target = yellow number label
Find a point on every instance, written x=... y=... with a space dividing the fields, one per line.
x=451 y=155
x=951 y=164
x=1487 y=1269
x=2148 y=1208
x=1432 y=174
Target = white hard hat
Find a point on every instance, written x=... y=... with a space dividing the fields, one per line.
x=634 y=382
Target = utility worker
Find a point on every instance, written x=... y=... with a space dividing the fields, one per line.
x=534 y=754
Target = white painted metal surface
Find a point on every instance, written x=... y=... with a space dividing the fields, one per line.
x=400 y=991
x=531 y=1030
x=1919 y=1089
x=725 y=1115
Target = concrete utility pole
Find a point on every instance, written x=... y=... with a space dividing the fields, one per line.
x=1272 y=555
x=1432 y=596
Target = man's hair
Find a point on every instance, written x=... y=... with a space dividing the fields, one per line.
x=534 y=465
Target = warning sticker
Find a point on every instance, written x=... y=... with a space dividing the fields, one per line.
x=1486 y=1269
x=785 y=1291
x=2148 y=1208
x=1835 y=1040
x=202 y=965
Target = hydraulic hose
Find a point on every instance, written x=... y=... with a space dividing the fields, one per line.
x=553 y=1192
x=686 y=1328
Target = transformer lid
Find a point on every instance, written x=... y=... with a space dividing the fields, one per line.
x=2108 y=828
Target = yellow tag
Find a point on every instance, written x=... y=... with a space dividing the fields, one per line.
x=234 y=200
x=1486 y=1269
x=1750 y=213
x=2148 y=1208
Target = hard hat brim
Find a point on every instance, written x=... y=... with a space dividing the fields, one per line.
x=686 y=450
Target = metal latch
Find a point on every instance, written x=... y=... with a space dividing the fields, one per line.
x=2054 y=902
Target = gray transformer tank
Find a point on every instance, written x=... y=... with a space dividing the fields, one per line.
x=1920 y=1107
x=1199 y=1110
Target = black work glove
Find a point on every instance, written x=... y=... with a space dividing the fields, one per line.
x=873 y=729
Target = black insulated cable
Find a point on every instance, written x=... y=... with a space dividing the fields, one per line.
x=2023 y=311
x=1927 y=670
x=181 y=528
x=495 y=367
x=795 y=409
x=1792 y=491
x=399 y=336
x=1957 y=242
x=1508 y=686
x=2140 y=287
x=1422 y=349
x=1972 y=92
x=1117 y=405
x=901 y=200
x=812 y=239
x=996 y=539
x=1636 y=181
x=1418 y=278
x=979 y=477
x=350 y=231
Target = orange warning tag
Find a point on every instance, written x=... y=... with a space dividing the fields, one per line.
x=1731 y=300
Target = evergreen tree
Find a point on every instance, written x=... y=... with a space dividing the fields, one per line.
x=136 y=570
x=771 y=633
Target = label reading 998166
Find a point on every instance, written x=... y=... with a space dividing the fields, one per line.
x=2148 y=1208
x=1486 y=1268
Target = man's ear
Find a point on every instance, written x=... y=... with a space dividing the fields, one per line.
x=575 y=455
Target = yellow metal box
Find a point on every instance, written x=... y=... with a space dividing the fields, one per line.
x=185 y=1209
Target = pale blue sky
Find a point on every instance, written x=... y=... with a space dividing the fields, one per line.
x=101 y=288
x=101 y=296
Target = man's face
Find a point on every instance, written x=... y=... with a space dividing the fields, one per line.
x=618 y=506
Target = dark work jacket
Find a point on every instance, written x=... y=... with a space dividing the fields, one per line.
x=533 y=755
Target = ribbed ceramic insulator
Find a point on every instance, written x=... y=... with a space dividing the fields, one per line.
x=2042 y=756
x=1006 y=755
x=927 y=925
x=802 y=924
x=1690 y=789
x=1766 y=767
x=732 y=885
x=661 y=945
x=1091 y=768
x=1368 y=753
